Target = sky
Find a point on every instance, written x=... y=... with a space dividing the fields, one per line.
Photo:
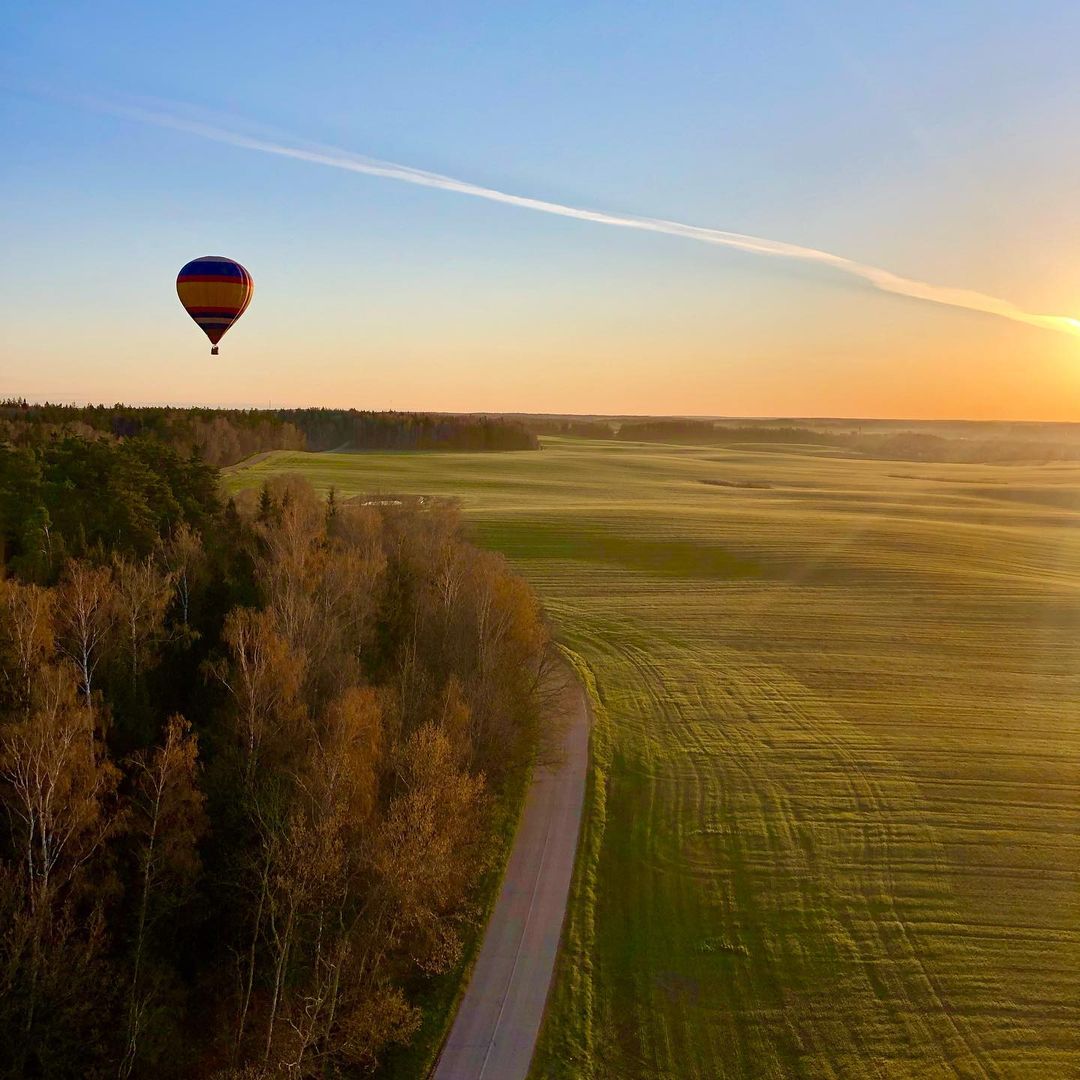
x=938 y=143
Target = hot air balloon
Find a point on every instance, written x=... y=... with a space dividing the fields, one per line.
x=216 y=292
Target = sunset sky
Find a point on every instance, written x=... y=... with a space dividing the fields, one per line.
x=939 y=142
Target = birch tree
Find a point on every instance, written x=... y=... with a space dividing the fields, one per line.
x=86 y=618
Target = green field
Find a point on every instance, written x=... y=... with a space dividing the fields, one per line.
x=835 y=828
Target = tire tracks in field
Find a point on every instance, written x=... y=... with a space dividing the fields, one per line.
x=750 y=689
x=655 y=705
x=867 y=793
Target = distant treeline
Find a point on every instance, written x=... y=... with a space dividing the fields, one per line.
x=999 y=444
x=923 y=446
x=578 y=429
x=709 y=433
x=226 y=436
x=327 y=429
x=252 y=755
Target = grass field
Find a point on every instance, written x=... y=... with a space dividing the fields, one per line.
x=835 y=824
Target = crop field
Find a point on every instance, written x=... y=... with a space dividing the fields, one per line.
x=834 y=825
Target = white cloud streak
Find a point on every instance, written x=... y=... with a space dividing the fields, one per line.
x=884 y=280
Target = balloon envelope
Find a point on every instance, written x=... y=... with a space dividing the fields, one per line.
x=215 y=291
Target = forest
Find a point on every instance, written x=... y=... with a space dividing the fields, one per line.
x=225 y=436
x=251 y=753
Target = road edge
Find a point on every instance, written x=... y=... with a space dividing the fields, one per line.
x=567 y=666
x=574 y=958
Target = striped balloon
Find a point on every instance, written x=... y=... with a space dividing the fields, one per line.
x=216 y=292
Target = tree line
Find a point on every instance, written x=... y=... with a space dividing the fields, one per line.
x=225 y=436
x=569 y=427
x=1001 y=444
x=707 y=432
x=327 y=429
x=250 y=755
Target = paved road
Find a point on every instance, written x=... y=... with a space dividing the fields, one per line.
x=495 y=1030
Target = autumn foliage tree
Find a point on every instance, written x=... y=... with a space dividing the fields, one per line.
x=58 y=786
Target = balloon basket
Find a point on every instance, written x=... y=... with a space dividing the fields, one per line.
x=214 y=351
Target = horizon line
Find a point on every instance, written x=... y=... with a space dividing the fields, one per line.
x=74 y=401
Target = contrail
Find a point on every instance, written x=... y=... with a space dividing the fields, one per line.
x=881 y=279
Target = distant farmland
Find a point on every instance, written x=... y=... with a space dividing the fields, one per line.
x=835 y=824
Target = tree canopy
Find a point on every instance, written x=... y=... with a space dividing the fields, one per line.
x=250 y=755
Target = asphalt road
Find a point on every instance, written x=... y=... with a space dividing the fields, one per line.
x=494 y=1032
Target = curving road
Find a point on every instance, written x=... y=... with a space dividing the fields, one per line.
x=495 y=1030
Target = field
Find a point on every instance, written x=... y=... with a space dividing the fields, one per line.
x=835 y=824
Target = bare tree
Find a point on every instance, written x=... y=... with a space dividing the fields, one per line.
x=290 y=569
x=143 y=593
x=168 y=820
x=27 y=614
x=86 y=617
x=263 y=676
x=184 y=559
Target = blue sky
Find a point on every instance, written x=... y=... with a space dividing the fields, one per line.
x=941 y=141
